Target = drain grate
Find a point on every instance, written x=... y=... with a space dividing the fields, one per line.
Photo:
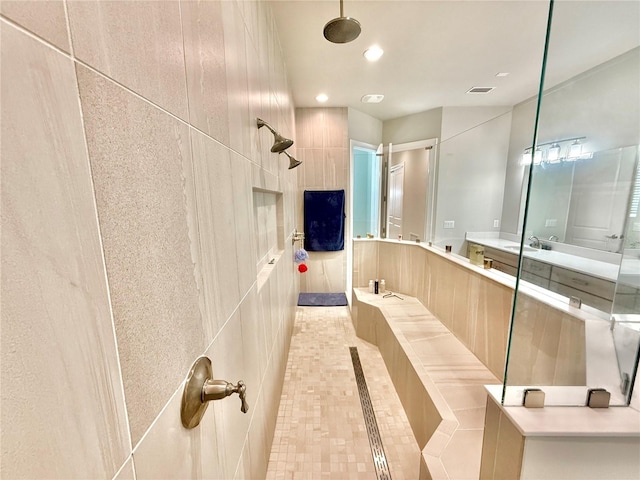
x=379 y=459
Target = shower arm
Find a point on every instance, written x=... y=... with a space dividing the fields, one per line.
x=262 y=123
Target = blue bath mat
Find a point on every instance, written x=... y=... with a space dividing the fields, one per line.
x=322 y=299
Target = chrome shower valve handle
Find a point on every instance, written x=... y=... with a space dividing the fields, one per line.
x=200 y=389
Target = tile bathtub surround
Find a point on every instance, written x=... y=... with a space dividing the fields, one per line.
x=321 y=431
x=174 y=223
x=59 y=358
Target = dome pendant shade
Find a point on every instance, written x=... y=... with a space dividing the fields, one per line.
x=342 y=29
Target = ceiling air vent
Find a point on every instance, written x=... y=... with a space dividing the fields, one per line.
x=372 y=98
x=480 y=89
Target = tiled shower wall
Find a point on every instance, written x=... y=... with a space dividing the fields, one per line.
x=548 y=346
x=323 y=147
x=129 y=158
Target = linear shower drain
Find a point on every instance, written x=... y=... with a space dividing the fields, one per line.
x=379 y=459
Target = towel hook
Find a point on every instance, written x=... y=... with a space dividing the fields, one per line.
x=297 y=236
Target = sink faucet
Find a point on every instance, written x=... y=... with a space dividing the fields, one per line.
x=535 y=241
x=553 y=238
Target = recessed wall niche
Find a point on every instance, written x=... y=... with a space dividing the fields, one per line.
x=268 y=214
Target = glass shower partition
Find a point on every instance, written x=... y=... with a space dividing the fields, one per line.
x=575 y=322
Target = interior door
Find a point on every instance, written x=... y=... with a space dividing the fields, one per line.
x=599 y=200
x=396 y=191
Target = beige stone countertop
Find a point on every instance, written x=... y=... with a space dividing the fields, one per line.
x=595 y=268
x=571 y=421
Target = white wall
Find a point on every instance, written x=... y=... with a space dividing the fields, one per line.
x=471 y=168
x=364 y=128
x=413 y=128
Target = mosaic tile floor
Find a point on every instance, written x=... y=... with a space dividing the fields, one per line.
x=321 y=432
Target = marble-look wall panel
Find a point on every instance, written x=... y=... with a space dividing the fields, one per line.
x=244 y=226
x=217 y=234
x=204 y=53
x=257 y=83
x=170 y=451
x=492 y=323
x=311 y=172
x=417 y=403
x=235 y=54
x=326 y=272
x=334 y=133
x=365 y=263
x=548 y=345
x=175 y=210
x=45 y=19
x=335 y=165
x=309 y=123
x=138 y=154
x=63 y=411
x=137 y=43
x=323 y=148
x=503 y=446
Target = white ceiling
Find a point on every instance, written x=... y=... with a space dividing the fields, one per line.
x=437 y=50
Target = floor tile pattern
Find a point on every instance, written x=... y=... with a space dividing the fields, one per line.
x=321 y=432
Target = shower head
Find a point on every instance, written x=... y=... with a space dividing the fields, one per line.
x=293 y=163
x=342 y=29
x=280 y=143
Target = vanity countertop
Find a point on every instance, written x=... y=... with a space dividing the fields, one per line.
x=595 y=268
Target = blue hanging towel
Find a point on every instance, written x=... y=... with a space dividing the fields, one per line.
x=324 y=220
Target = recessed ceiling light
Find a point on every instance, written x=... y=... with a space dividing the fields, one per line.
x=373 y=98
x=373 y=54
x=502 y=74
x=480 y=89
x=322 y=98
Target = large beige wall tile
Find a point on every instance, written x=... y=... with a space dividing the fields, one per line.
x=137 y=43
x=237 y=84
x=326 y=273
x=63 y=413
x=492 y=325
x=509 y=450
x=126 y=471
x=45 y=18
x=170 y=451
x=244 y=222
x=138 y=156
x=365 y=263
x=335 y=131
x=335 y=164
x=228 y=357
x=217 y=230
x=205 y=62
x=309 y=129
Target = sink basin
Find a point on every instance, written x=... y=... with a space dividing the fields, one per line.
x=516 y=248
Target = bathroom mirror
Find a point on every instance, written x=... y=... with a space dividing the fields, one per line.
x=599 y=112
x=583 y=202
